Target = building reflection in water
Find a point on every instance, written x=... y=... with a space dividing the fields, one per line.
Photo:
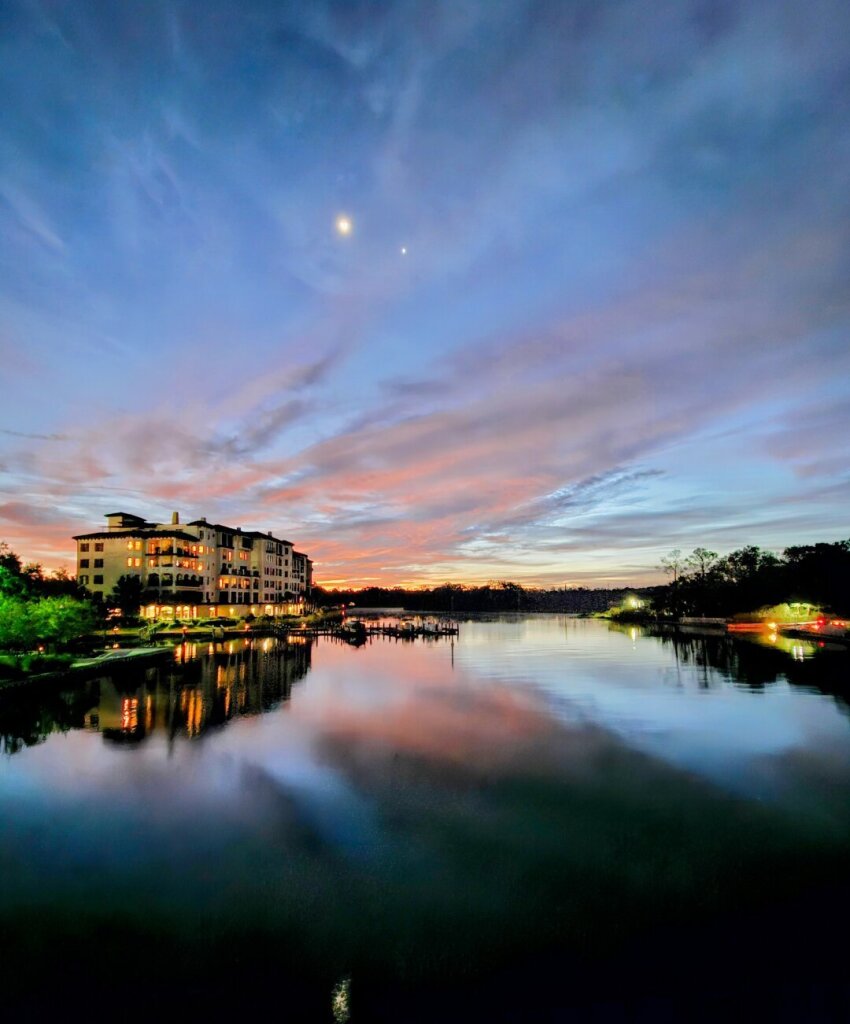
x=205 y=687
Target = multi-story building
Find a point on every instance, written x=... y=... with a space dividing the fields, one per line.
x=195 y=569
x=302 y=575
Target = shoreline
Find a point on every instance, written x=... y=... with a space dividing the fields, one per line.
x=123 y=656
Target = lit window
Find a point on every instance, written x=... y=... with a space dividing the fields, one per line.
x=129 y=545
x=129 y=561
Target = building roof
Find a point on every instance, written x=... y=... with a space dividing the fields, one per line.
x=143 y=528
x=239 y=531
x=268 y=536
x=142 y=534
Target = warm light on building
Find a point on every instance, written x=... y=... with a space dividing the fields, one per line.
x=197 y=569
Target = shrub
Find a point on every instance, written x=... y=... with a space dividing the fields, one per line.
x=9 y=668
x=35 y=664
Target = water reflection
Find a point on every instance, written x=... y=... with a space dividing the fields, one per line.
x=530 y=834
x=340 y=1001
x=205 y=687
x=761 y=662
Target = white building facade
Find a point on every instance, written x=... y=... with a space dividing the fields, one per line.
x=195 y=570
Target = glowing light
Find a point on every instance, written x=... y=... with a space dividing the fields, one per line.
x=404 y=250
x=344 y=225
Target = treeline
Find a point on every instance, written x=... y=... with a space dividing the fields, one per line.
x=701 y=583
x=706 y=583
x=455 y=598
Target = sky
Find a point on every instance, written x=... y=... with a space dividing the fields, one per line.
x=593 y=305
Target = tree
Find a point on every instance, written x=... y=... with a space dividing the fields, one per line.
x=672 y=564
x=8 y=559
x=58 y=620
x=702 y=561
x=33 y=574
x=127 y=595
x=17 y=631
x=11 y=584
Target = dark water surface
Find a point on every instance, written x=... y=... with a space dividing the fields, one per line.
x=544 y=820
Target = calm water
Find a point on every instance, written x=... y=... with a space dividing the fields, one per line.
x=546 y=819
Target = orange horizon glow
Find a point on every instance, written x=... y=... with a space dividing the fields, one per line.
x=53 y=554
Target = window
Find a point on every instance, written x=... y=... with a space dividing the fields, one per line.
x=84 y=546
x=137 y=562
x=84 y=563
x=98 y=563
x=99 y=546
x=98 y=579
x=129 y=545
x=129 y=563
x=84 y=581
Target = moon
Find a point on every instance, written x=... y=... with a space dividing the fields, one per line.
x=344 y=225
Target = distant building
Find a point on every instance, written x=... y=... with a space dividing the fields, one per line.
x=195 y=569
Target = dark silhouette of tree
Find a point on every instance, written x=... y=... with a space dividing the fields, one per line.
x=701 y=561
x=127 y=595
x=673 y=563
x=9 y=560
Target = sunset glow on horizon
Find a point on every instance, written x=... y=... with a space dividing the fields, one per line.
x=438 y=292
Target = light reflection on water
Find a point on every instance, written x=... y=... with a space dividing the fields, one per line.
x=408 y=816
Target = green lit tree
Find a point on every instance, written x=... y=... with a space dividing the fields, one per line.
x=17 y=631
x=58 y=620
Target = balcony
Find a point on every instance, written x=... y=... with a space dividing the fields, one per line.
x=170 y=580
x=170 y=551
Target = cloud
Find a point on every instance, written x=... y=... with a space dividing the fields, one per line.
x=623 y=303
x=34 y=437
x=23 y=514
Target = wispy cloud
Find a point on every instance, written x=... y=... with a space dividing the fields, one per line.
x=619 y=323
